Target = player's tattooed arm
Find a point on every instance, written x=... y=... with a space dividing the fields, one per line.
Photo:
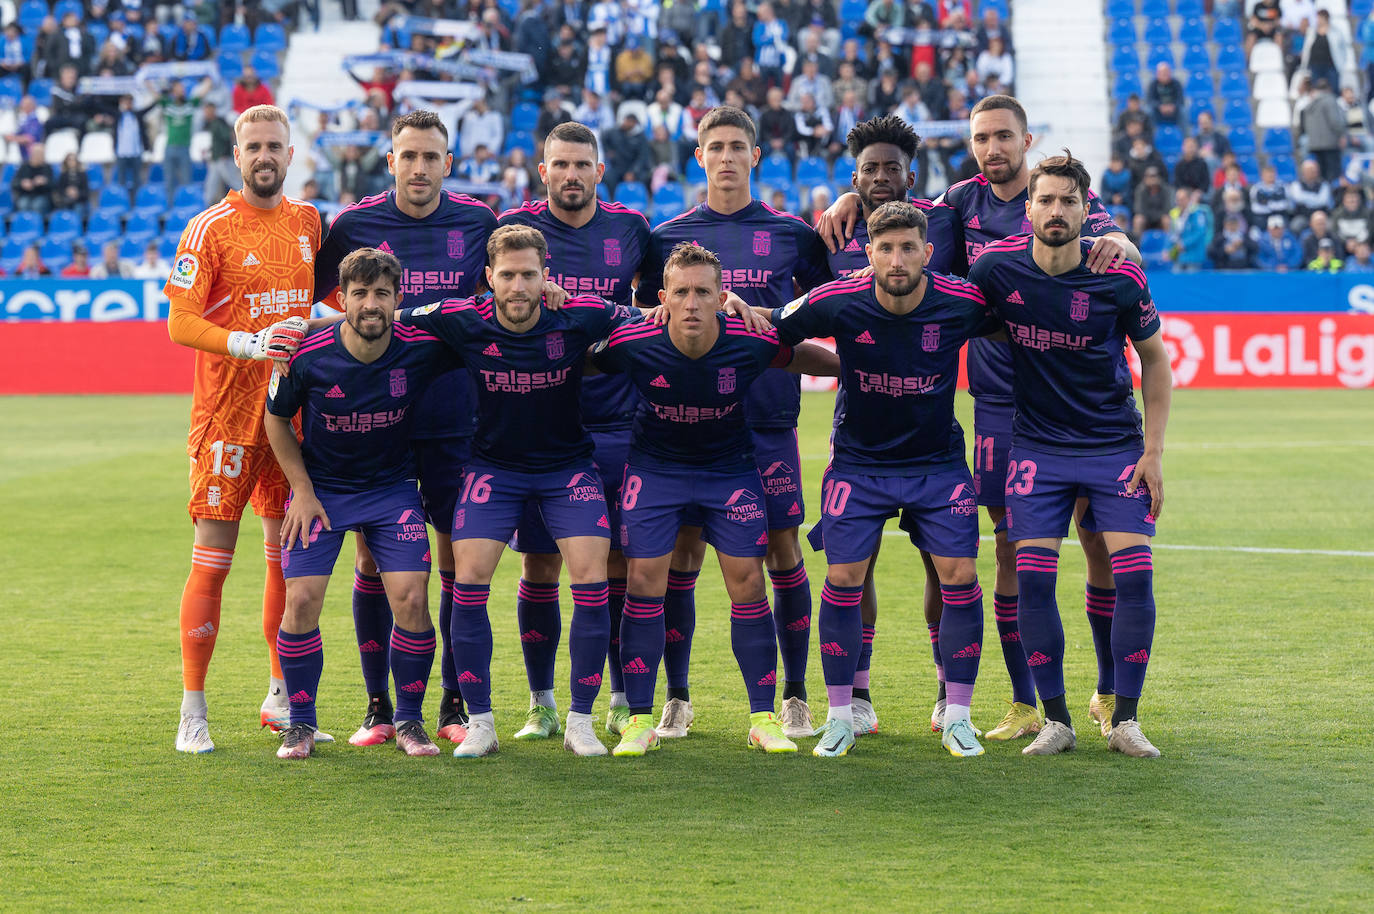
x=836 y=224
x=305 y=507
x=817 y=361
x=1156 y=389
x=1110 y=250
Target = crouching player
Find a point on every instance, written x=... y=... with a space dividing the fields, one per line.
x=897 y=447
x=355 y=384
x=691 y=450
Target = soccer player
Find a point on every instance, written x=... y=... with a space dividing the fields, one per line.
x=440 y=238
x=897 y=448
x=766 y=256
x=240 y=266
x=356 y=385
x=691 y=450
x=1076 y=434
x=526 y=363
x=594 y=248
x=883 y=149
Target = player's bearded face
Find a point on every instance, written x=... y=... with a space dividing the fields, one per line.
x=263 y=152
x=998 y=143
x=517 y=284
x=571 y=173
x=881 y=175
x=370 y=308
x=898 y=260
x=419 y=159
x=1057 y=211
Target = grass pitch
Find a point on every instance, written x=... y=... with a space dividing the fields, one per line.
x=1259 y=697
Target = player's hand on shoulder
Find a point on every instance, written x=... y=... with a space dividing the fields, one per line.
x=836 y=224
x=657 y=315
x=277 y=342
x=554 y=295
x=1149 y=471
x=735 y=306
x=1107 y=252
x=302 y=514
x=863 y=272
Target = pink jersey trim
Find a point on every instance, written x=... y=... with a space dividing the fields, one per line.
x=841 y=287
x=413 y=334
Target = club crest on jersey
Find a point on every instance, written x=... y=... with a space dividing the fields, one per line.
x=398 y=382
x=307 y=255
x=930 y=337
x=455 y=244
x=763 y=243
x=1078 y=306
x=725 y=381
x=610 y=252
x=184 y=271
x=553 y=345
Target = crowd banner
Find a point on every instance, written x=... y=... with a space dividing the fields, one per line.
x=446 y=28
x=424 y=89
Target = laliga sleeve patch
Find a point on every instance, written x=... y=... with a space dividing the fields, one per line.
x=272 y=384
x=791 y=308
x=184 y=271
x=427 y=309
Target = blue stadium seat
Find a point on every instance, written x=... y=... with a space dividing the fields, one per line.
x=1284 y=167
x=603 y=193
x=812 y=171
x=41 y=90
x=235 y=37
x=671 y=194
x=1242 y=141
x=6 y=201
x=1124 y=57
x=1161 y=53
x=1120 y=9
x=11 y=90
x=230 y=65
x=189 y=195
x=1168 y=140
x=1226 y=30
x=198 y=170
x=101 y=228
x=167 y=33
x=693 y=172
x=63 y=7
x=10 y=253
x=141 y=229
x=265 y=62
x=150 y=200
x=1197 y=105
x=1196 y=59
x=1154 y=8
x=25 y=227
x=1123 y=32
x=1360 y=8
x=1157 y=31
x=1154 y=248
x=519 y=139
x=1192 y=31
x=56 y=254
x=132 y=248
x=167 y=247
x=1249 y=166
x=1237 y=113
x=95 y=178
x=114 y=199
x=7 y=173
x=1278 y=141
x=665 y=210
x=1127 y=84
x=853 y=10
x=31 y=15
x=64 y=225
x=154 y=175
x=776 y=170
x=1190 y=8
x=633 y=194
x=269 y=37
x=1199 y=84
x=525 y=116
x=1235 y=85
x=183 y=213
x=842 y=172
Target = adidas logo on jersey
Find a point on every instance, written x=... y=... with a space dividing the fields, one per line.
x=415 y=688
x=673 y=636
x=592 y=680
x=762 y=540
x=794 y=510
x=1037 y=659
x=973 y=650
x=1140 y=656
x=492 y=351
x=385 y=248
x=370 y=647
x=659 y=381
x=468 y=676
x=973 y=223
x=865 y=337
x=1015 y=298
x=770 y=680
x=603 y=523
x=852 y=246
x=833 y=649
x=636 y=666
x=532 y=637
x=203 y=631
x=335 y=393
x=251 y=260
x=799 y=625
x=300 y=697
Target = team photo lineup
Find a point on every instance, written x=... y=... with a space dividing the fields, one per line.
x=565 y=381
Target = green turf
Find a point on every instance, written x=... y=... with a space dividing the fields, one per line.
x=1259 y=696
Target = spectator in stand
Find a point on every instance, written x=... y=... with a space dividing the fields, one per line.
x=1323 y=123
x=933 y=91
x=70 y=110
x=992 y=27
x=531 y=35
x=1212 y=143
x=1356 y=135
x=599 y=60
x=1143 y=157
x=13 y=60
x=592 y=113
x=1277 y=250
x=568 y=69
x=1269 y=197
x=131 y=141
x=250 y=91
x=1133 y=113
x=1326 y=51
x=71 y=45
x=666 y=162
x=1350 y=220
x=704 y=81
x=1231 y=201
x=668 y=114
x=481 y=167
x=550 y=115
x=382 y=81
x=997 y=61
x=751 y=87
x=1309 y=192
x=111 y=265
x=178 y=122
x=221 y=174
x=1360 y=262
x=31 y=186
x=770 y=43
x=72 y=189
x=1232 y=248
x=1366 y=37
x=1117 y=187
x=1165 y=96
x=1326 y=260
x=813 y=83
x=627 y=154
x=912 y=109
x=114 y=62
x=848 y=116
x=737 y=37
x=813 y=126
x=1265 y=17
x=80 y=267
x=1228 y=175
x=1190 y=225
x=28 y=129
x=811 y=49
x=777 y=127
x=1318 y=231
x=884 y=94
x=849 y=80
x=153 y=265
x=190 y=42
x=882 y=15
x=520 y=174
x=1133 y=130
x=818 y=201
x=634 y=70
x=481 y=126
x=1151 y=203
x=1191 y=169
x=31 y=265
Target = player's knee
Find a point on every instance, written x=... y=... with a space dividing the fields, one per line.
x=538 y=568
x=303 y=605
x=852 y=575
x=784 y=550
x=409 y=606
x=960 y=573
x=1005 y=552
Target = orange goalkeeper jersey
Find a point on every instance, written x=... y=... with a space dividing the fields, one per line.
x=238 y=268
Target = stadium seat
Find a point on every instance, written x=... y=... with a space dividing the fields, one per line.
x=189 y=195
x=853 y=10
x=1154 y=248
x=1190 y=8
x=230 y=64
x=1242 y=141
x=64 y=225
x=1230 y=57
x=1278 y=141
x=141 y=229
x=1154 y=8
x=812 y=171
x=1123 y=32
x=183 y=213
x=1161 y=53
x=1168 y=140
x=1265 y=57
x=663 y=211
x=1235 y=85
x=1157 y=31
x=6 y=201
x=63 y=7
x=11 y=90
x=265 y=62
x=150 y=201
x=524 y=116
x=1197 y=105
x=167 y=246
x=519 y=139
x=603 y=193
x=1285 y=167
x=633 y=194
x=1125 y=58
x=1270 y=85
x=59 y=144
x=842 y=172
x=25 y=227
x=776 y=170
x=1226 y=30
x=101 y=228
x=114 y=199
x=1119 y=9
x=132 y=248
x=1197 y=61
x=56 y=254
x=1237 y=113
x=31 y=15
x=235 y=37
x=7 y=173
x=1199 y=84
x=693 y=172
x=1273 y=112
x=671 y=194
x=41 y=90
x=1360 y=8
x=97 y=148
x=1127 y=84
x=269 y=37
x=1249 y=166
x=10 y=253
x=1192 y=31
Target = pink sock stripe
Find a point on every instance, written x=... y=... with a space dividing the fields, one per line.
x=637 y=608
x=617 y=587
x=961 y=595
x=869 y=634
x=471 y=594
x=1101 y=602
x=1004 y=603
x=1093 y=610
x=757 y=610
x=539 y=593
x=793 y=578
x=681 y=580
x=299 y=648
x=935 y=634
x=585 y=595
x=401 y=642
x=842 y=596
x=1037 y=563
x=1133 y=563
x=367 y=584
x=446 y=577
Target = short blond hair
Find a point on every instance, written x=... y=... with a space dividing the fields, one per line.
x=689 y=254
x=260 y=113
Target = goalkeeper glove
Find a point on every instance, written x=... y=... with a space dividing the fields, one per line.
x=278 y=342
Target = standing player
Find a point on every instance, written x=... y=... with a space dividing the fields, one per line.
x=594 y=248
x=441 y=240
x=526 y=363
x=883 y=149
x=766 y=257
x=897 y=448
x=240 y=265
x=1076 y=434
x=692 y=451
x=355 y=385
